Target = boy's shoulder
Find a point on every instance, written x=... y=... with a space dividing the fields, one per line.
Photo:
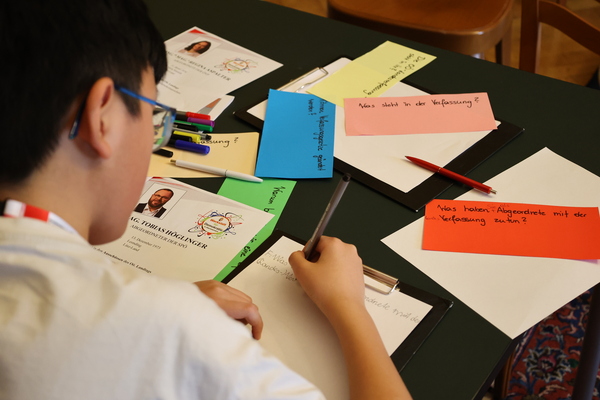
x=73 y=273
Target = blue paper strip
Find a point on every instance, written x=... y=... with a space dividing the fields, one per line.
x=297 y=138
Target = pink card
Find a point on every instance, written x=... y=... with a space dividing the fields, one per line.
x=440 y=113
x=512 y=229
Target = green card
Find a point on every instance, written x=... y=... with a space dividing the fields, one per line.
x=271 y=196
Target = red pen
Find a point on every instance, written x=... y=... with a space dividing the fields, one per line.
x=453 y=175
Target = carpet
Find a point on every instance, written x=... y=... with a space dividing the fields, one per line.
x=545 y=362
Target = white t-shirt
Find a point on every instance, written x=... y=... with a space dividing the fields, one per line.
x=73 y=325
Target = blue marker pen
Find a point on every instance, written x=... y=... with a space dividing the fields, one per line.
x=190 y=146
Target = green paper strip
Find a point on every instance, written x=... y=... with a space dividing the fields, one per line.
x=271 y=196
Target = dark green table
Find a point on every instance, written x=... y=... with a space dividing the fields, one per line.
x=463 y=354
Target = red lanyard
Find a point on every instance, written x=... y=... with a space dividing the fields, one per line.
x=16 y=209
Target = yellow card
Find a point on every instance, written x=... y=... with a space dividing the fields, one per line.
x=233 y=151
x=371 y=74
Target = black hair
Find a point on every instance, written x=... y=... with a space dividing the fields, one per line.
x=53 y=51
x=203 y=50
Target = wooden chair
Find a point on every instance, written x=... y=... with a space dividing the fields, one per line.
x=536 y=12
x=465 y=26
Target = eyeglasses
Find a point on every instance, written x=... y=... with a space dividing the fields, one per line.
x=162 y=118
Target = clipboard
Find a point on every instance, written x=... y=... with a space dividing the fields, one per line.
x=417 y=197
x=254 y=114
x=384 y=284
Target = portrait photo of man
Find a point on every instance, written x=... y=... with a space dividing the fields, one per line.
x=155 y=205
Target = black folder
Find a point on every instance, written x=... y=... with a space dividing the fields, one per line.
x=419 y=196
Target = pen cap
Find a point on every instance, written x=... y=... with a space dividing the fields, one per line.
x=174 y=138
x=188 y=137
x=193 y=147
x=202 y=121
x=183 y=115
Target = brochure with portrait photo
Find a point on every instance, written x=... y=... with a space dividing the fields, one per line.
x=204 y=67
x=179 y=231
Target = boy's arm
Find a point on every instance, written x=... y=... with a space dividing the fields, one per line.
x=335 y=283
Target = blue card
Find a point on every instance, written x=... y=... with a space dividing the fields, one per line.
x=297 y=137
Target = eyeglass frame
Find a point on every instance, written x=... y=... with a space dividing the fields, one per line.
x=168 y=123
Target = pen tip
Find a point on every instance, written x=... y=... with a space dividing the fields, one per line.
x=492 y=191
x=173 y=161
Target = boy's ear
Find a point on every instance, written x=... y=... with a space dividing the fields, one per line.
x=96 y=119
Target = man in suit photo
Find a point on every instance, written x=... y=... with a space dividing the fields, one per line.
x=154 y=206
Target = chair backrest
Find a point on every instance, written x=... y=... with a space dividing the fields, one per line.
x=535 y=12
x=464 y=26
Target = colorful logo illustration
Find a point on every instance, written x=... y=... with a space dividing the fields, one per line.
x=237 y=65
x=216 y=225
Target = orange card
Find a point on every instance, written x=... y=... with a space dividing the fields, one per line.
x=438 y=113
x=512 y=229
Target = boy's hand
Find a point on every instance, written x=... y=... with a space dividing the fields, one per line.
x=334 y=279
x=236 y=304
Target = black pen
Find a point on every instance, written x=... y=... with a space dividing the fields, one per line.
x=186 y=126
x=335 y=199
x=164 y=153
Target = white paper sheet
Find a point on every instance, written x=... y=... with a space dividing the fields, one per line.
x=384 y=156
x=296 y=331
x=511 y=292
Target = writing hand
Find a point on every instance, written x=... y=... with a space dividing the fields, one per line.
x=334 y=281
x=338 y=263
x=235 y=303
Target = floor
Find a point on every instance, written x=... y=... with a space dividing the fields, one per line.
x=561 y=57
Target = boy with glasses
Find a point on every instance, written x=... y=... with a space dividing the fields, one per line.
x=80 y=123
